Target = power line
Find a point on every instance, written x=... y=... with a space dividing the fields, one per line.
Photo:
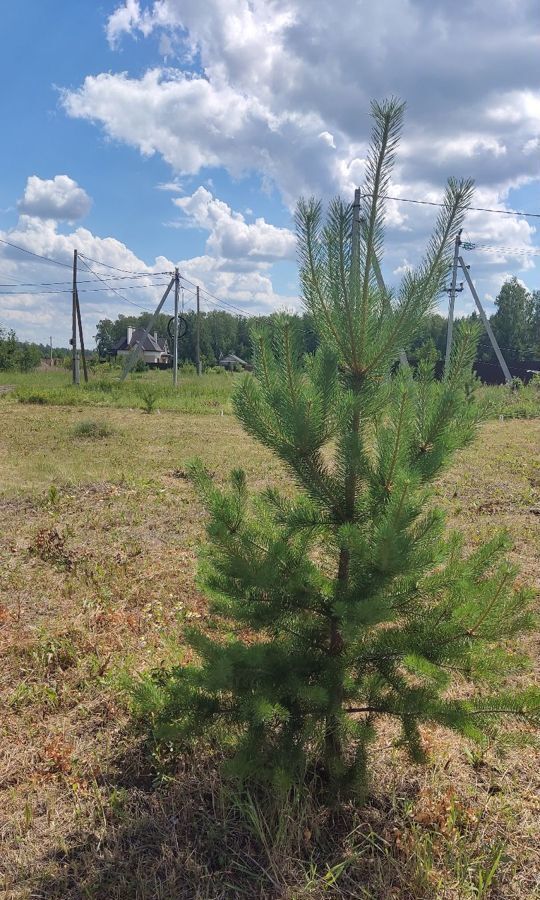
x=84 y=281
x=37 y=255
x=501 y=212
x=111 y=288
x=487 y=248
x=217 y=299
x=117 y=269
x=101 y=290
x=226 y=305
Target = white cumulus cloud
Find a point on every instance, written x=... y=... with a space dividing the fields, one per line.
x=283 y=87
x=58 y=198
x=230 y=235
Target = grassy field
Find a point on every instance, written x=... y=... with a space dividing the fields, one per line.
x=207 y=395
x=98 y=534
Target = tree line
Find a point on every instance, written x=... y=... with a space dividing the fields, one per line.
x=516 y=324
x=17 y=355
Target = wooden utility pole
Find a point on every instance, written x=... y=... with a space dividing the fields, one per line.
x=176 y=313
x=51 y=354
x=81 y=338
x=76 y=378
x=450 y=328
x=198 y=345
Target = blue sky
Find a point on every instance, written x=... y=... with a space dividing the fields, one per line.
x=42 y=140
x=150 y=134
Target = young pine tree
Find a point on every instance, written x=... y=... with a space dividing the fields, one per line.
x=345 y=602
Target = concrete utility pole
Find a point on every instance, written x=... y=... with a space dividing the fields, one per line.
x=176 y=313
x=76 y=378
x=198 y=344
x=485 y=322
x=450 y=328
x=51 y=354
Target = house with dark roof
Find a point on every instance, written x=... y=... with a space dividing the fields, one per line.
x=155 y=351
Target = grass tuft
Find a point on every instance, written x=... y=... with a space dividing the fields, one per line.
x=89 y=428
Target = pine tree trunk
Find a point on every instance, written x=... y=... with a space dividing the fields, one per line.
x=333 y=743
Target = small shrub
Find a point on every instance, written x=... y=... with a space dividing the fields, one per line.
x=91 y=429
x=187 y=369
x=150 y=396
x=51 y=653
x=53 y=495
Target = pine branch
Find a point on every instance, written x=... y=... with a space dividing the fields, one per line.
x=388 y=118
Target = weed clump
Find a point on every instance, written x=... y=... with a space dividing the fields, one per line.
x=92 y=429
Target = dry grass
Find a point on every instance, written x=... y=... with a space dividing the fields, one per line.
x=97 y=558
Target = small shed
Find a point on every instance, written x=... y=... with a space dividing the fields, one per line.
x=233 y=363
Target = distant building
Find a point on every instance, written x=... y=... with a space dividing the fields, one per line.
x=155 y=351
x=234 y=363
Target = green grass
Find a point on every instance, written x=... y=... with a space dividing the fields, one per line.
x=208 y=394
x=523 y=403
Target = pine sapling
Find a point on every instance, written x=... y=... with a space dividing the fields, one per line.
x=346 y=602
